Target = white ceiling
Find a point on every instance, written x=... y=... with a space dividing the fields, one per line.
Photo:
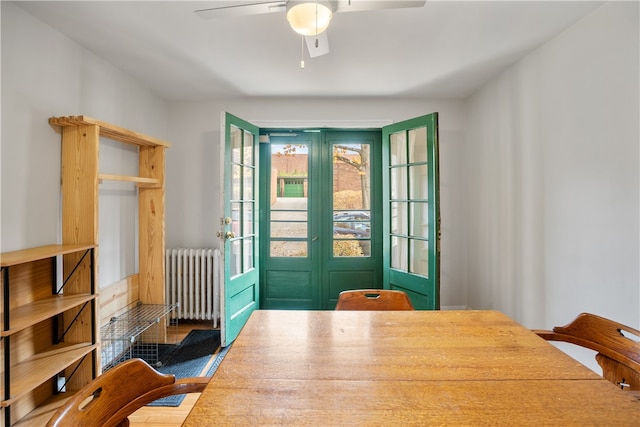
x=446 y=49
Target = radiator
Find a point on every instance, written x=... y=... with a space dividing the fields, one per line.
x=192 y=281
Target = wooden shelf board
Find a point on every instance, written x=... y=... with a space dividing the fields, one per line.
x=109 y=131
x=41 y=415
x=127 y=178
x=27 y=375
x=8 y=259
x=30 y=314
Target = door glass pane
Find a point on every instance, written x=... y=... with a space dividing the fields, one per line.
x=236 y=180
x=399 y=218
x=236 y=144
x=247 y=219
x=248 y=183
x=399 y=253
x=289 y=231
x=398 y=183
x=398 y=148
x=236 y=222
x=419 y=219
x=247 y=256
x=419 y=182
x=418 y=145
x=236 y=258
x=419 y=257
x=354 y=222
x=288 y=249
x=351 y=248
x=248 y=149
x=289 y=224
x=351 y=200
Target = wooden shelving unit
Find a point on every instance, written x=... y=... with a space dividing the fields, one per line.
x=32 y=362
x=49 y=325
x=81 y=177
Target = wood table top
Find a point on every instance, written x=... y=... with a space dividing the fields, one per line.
x=403 y=367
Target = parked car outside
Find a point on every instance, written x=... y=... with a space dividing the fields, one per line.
x=357 y=223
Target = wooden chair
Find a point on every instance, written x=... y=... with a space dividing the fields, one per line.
x=373 y=299
x=110 y=398
x=618 y=355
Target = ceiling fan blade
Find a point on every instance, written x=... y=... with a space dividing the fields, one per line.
x=362 y=5
x=242 y=9
x=317 y=45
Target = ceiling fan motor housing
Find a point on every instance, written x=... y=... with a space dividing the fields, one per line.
x=309 y=18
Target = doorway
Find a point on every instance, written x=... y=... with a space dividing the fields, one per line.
x=320 y=192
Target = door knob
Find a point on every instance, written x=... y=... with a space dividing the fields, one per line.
x=226 y=234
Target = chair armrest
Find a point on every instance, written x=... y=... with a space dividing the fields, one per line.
x=181 y=386
x=545 y=334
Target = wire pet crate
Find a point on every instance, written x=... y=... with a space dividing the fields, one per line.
x=135 y=333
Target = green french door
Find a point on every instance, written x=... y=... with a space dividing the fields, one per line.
x=339 y=209
x=321 y=192
x=238 y=226
x=411 y=209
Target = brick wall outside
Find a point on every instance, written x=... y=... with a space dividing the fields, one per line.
x=348 y=177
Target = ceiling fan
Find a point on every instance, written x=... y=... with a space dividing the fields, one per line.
x=309 y=18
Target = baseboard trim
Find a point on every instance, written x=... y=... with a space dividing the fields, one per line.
x=454 y=307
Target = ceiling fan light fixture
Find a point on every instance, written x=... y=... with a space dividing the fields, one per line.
x=309 y=18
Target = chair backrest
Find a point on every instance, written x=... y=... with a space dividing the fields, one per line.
x=373 y=299
x=618 y=346
x=110 y=398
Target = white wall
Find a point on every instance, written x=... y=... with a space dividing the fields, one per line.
x=553 y=178
x=539 y=169
x=45 y=74
x=193 y=189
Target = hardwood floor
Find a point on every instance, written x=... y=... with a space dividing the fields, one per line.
x=163 y=416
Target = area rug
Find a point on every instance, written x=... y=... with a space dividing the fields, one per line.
x=217 y=360
x=187 y=359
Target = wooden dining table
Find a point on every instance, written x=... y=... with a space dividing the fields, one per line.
x=393 y=368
